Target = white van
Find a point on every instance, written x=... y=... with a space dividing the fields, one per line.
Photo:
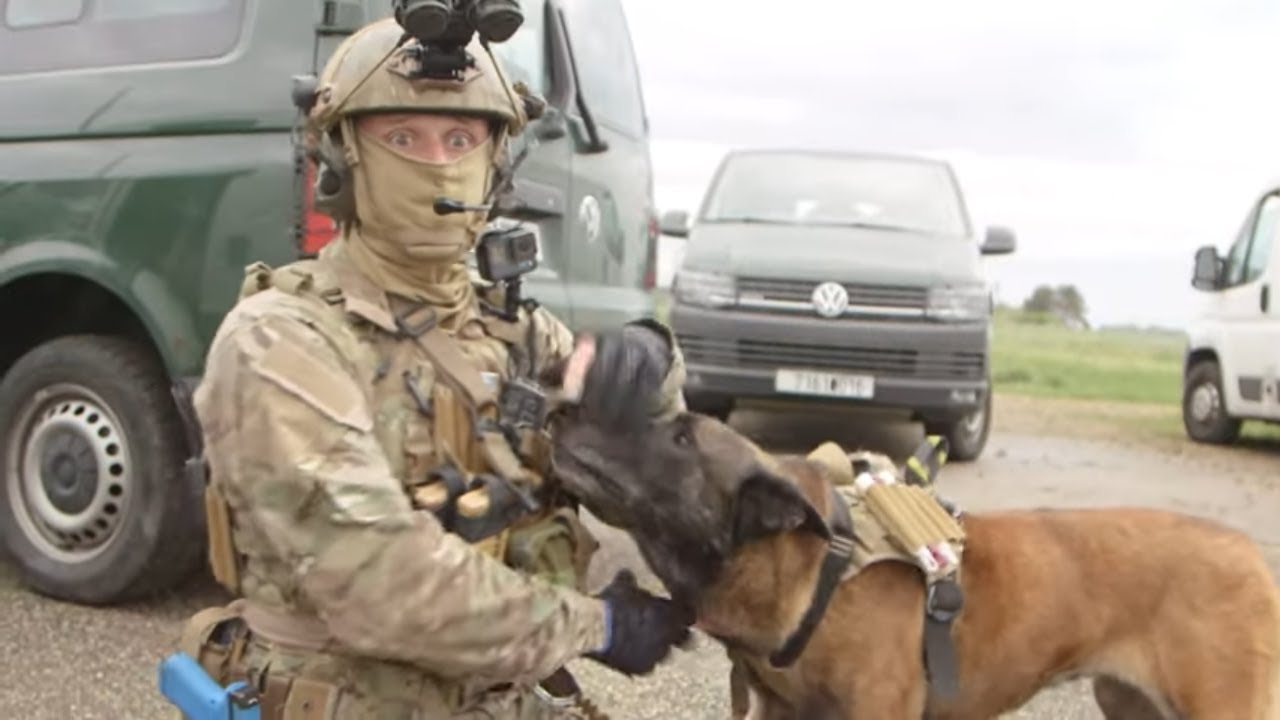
x=1232 y=368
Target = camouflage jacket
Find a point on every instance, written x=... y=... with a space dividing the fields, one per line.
x=311 y=411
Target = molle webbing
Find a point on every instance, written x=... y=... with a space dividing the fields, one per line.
x=912 y=516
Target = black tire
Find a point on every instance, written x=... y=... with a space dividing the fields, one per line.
x=1204 y=414
x=966 y=436
x=717 y=406
x=94 y=505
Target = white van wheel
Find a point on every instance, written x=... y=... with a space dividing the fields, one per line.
x=1204 y=413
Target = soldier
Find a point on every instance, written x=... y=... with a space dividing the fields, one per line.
x=350 y=404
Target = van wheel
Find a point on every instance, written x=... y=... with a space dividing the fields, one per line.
x=1204 y=412
x=967 y=435
x=94 y=508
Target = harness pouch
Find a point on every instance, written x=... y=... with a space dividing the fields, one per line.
x=558 y=547
x=216 y=637
x=222 y=552
x=309 y=699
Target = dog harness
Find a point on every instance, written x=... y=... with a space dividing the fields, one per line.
x=877 y=517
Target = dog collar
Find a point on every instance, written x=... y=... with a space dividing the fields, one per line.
x=839 y=555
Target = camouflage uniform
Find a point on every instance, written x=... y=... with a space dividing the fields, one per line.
x=323 y=410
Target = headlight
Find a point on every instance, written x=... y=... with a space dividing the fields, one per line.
x=959 y=303
x=705 y=289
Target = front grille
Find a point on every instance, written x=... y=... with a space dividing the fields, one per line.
x=901 y=297
x=757 y=355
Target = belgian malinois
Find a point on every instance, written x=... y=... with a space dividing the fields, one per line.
x=1171 y=615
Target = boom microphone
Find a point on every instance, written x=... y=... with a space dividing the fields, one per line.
x=447 y=206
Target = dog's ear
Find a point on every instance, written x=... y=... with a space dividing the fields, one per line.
x=767 y=504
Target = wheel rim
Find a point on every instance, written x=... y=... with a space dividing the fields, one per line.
x=971 y=424
x=69 y=475
x=1205 y=402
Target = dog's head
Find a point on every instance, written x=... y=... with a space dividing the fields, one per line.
x=690 y=491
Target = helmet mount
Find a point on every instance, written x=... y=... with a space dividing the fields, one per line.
x=444 y=28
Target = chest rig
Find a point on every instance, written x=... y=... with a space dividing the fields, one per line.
x=460 y=418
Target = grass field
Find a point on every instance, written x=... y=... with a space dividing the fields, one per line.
x=1037 y=356
x=1135 y=374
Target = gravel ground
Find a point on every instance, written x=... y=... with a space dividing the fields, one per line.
x=63 y=661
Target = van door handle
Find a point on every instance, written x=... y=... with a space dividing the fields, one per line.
x=551 y=126
x=533 y=199
x=1266 y=297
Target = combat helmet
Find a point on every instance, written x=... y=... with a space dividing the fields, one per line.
x=379 y=69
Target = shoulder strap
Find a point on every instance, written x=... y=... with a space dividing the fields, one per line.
x=419 y=324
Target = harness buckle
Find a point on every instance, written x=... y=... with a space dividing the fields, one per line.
x=559 y=703
x=944 y=600
x=418 y=329
x=841 y=545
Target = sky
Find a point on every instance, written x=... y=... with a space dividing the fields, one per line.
x=1113 y=137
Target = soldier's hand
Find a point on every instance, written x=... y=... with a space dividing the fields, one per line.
x=624 y=376
x=643 y=627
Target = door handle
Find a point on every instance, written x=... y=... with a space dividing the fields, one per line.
x=551 y=127
x=1266 y=297
x=533 y=200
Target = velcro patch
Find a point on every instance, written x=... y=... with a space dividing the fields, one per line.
x=306 y=374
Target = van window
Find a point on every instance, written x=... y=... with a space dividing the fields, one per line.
x=34 y=13
x=1264 y=235
x=1247 y=259
x=524 y=55
x=837 y=189
x=606 y=64
x=40 y=35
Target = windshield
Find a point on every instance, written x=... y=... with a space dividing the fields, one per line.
x=801 y=188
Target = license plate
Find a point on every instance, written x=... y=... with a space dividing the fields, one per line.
x=808 y=382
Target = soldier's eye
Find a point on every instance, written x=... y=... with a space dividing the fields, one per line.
x=458 y=140
x=400 y=138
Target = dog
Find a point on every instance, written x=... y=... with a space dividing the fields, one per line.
x=1172 y=616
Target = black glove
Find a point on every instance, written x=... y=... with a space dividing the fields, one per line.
x=625 y=377
x=642 y=627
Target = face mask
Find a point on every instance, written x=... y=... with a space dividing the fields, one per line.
x=394 y=196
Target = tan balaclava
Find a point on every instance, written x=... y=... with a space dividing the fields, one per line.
x=399 y=240
x=391 y=231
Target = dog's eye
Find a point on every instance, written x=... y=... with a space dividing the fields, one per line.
x=682 y=437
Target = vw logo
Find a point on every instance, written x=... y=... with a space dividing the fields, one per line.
x=830 y=299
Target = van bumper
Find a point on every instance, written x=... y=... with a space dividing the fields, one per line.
x=939 y=371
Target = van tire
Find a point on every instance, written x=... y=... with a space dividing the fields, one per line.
x=107 y=514
x=966 y=436
x=1204 y=413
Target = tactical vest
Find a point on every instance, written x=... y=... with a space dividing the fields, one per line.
x=460 y=422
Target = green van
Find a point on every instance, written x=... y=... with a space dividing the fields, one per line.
x=146 y=158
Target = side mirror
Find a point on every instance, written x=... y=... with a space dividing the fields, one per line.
x=1207 y=270
x=675 y=223
x=999 y=241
